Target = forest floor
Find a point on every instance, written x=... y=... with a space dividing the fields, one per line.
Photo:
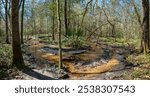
x=95 y=61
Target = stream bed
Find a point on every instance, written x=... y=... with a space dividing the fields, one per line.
x=94 y=62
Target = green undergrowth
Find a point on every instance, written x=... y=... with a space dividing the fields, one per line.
x=7 y=71
x=5 y=60
x=5 y=55
x=120 y=41
x=72 y=38
x=142 y=71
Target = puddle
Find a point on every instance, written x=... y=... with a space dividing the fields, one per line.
x=54 y=51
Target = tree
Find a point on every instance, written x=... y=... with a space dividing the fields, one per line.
x=33 y=17
x=16 y=44
x=85 y=12
x=6 y=21
x=53 y=8
x=59 y=32
x=0 y=19
x=145 y=35
x=66 y=15
x=22 y=20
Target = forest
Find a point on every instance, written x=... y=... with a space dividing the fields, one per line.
x=74 y=40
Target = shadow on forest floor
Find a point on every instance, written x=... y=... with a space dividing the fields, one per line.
x=36 y=75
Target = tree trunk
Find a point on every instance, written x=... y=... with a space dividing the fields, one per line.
x=16 y=45
x=84 y=14
x=145 y=36
x=33 y=18
x=6 y=22
x=53 y=27
x=59 y=32
x=22 y=20
x=69 y=13
x=0 y=21
x=66 y=15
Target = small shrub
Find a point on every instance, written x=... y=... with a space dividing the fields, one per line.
x=74 y=38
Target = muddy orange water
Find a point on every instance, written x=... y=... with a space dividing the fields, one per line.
x=74 y=72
